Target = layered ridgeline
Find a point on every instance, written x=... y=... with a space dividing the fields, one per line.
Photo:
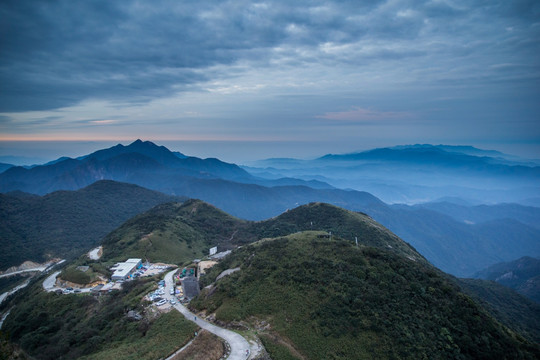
x=460 y=239
x=309 y=294
x=65 y=223
x=311 y=297
x=420 y=173
x=177 y=232
x=522 y=275
x=141 y=162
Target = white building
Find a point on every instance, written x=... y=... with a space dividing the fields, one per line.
x=123 y=270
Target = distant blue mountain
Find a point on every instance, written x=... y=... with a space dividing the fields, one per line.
x=419 y=173
x=449 y=241
x=522 y=275
x=440 y=156
x=141 y=162
x=4 y=167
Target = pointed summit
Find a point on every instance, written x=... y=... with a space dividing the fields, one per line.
x=160 y=154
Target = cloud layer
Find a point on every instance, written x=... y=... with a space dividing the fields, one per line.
x=278 y=60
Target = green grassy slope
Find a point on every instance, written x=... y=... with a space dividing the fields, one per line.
x=177 y=232
x=340 y=222
x=323 y=298
x=173 y=233
x=334 y=301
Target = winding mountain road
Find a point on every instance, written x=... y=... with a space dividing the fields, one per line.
x=239 y=345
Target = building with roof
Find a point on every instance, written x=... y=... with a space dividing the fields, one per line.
x=190 y=285
x=123 y=270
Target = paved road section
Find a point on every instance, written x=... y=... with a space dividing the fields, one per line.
x=38 y=269
x=50 y=281
x=239 y=345
x=13 y=291
x=4 y=318
x=49 y=284
x=42 y=268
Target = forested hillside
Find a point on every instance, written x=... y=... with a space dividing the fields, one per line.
x=64 y=223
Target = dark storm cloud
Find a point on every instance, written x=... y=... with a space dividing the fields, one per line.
x=58 y=53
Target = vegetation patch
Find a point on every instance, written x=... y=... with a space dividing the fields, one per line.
x=67 y=223
x=336 y=301
x=9 y=282
x=512 y=309
x=172 y=233
x=169 y=332
x=52 y=326
x=74 y=275
x=277 y=350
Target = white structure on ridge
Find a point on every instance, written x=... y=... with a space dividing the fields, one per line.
x=123 y=270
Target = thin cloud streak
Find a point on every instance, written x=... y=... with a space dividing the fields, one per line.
x=358 y=114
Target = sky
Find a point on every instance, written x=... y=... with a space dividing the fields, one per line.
x=241 y=80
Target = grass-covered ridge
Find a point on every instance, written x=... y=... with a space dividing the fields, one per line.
x=340 y=222
x=178 y=232
x=172 y=232
x=332 y=300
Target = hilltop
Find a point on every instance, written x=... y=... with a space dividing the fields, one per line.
x=320 y=298
x=177 y=232
x=174 y=233
x=455 y=247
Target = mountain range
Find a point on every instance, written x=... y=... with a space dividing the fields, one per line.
x=458 y=238
x=419 y=173
x=316 y=282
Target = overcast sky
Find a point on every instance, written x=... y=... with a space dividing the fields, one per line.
x=245 y=79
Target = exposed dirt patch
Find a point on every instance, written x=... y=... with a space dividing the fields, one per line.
x=285 y=342
x=206 y=346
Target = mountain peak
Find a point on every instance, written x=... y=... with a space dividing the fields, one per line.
x=147 y=148
x=147 y=143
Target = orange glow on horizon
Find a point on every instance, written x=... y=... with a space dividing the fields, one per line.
x=45 y=138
